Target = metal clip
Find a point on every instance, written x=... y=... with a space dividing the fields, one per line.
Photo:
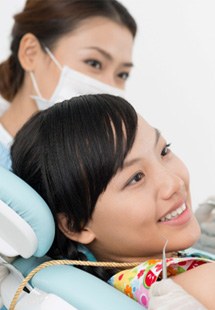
x=164 y=268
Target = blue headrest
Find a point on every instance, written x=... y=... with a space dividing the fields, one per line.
x=28 y=206
x=77 y=287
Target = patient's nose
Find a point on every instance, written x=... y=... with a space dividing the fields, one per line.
x=169 y=184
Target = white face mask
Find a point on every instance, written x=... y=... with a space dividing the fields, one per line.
x=71 y=83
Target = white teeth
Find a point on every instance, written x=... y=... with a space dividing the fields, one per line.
x=169 y=216
x=173 y=214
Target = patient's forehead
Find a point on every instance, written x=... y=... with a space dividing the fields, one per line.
x=144 y=128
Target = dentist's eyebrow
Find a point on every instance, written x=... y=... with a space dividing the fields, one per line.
x=108 y=56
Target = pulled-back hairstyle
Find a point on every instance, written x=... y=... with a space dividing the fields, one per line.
x=69 y=153
x=49 y=20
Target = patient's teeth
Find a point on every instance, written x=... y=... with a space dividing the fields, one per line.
x=173 y=214
x=179 y=211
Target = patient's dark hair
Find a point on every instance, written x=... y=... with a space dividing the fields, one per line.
x=69 y=153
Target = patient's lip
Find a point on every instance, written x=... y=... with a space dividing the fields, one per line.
x=177 y=205
x=180 y=219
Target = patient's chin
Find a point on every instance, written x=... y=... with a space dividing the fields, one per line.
x=193 y=234
x=185 y=238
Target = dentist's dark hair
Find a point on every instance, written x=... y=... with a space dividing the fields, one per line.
x=50 y=20
x=74 y=150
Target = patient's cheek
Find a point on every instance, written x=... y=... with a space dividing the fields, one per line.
x=196 y=231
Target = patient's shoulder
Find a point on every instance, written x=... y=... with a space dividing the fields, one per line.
x=200 y=283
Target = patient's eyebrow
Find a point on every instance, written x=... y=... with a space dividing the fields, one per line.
x=129 y=163
x=158 y=134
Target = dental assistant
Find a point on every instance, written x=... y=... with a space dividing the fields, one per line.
x=59 y=50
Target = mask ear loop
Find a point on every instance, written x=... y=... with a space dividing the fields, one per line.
x=53 y=58
x=34 y=82
x=36 y=88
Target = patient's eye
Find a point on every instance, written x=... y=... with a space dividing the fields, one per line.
x=136 y=178
x=166 y=150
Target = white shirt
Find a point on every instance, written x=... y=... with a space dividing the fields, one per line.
x=5 y=143
x=5 y=138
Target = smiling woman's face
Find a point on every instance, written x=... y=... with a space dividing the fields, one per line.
x=145 y=202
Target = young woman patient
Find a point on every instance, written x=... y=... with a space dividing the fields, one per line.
x=116 y=191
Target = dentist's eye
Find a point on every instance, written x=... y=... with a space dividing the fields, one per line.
x=94 y=63
x=136 y=178
x=123 y=75
x=166 y=150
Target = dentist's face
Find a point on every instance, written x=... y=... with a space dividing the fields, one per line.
x=99 y=48
x=147 y=200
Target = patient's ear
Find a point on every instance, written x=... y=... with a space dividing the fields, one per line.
x=85 y=236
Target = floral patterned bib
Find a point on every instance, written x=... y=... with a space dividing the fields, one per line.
x=136 y=282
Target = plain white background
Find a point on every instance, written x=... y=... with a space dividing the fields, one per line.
x=173 y=81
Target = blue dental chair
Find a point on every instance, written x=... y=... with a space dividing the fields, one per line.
x=26 y=233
